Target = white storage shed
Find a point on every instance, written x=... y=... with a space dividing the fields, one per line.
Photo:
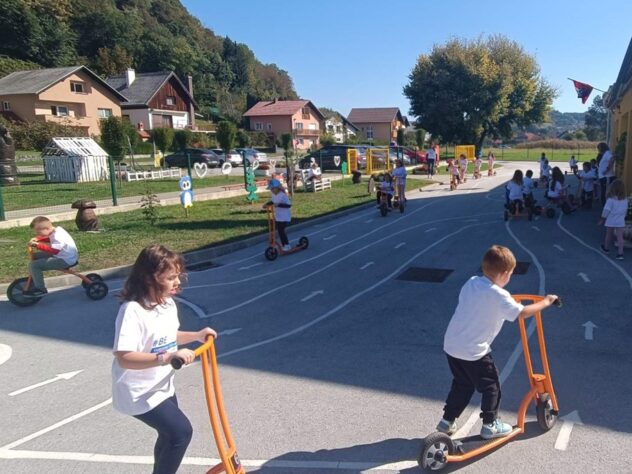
x=75 y=160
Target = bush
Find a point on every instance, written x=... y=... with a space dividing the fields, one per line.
x=243 y=139
x=261 y=139
x=114 y=137
x=163 y=138
x=36 y=135
x=144 y=148
x=182 y=139
x=226 y=134
x=558 y=144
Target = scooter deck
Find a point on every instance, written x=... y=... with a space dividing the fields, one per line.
x=470 y=443
x=292 y=250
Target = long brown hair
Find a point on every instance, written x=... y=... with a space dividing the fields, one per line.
x=142 y=285
x=616 y=190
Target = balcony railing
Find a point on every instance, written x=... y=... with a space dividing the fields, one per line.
x=305 y=132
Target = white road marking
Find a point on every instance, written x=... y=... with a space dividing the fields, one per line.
x=515 y=355
x=366 y=265
x=584 y=277
x=64 y=376
x=559 y=247
x=535 y=227
x=589 y=326
x=357 y=466
x=400 y=245
x=564 y=436
x=431 y=229
x=228 y=332
x=196 y=309
x=63 y=422
x=312 y=295
x=625 y=274
x=251 y=266
x=5 y=353
x=329 y=237
x=368 y=221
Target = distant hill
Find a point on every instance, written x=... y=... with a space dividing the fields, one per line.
x=558 y=123
x=150 y=35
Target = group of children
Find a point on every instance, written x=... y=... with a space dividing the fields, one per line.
x=457 y=169
x=387 y=187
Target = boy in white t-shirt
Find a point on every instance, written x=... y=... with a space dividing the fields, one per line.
x=54 y=249
x=282 y=211
x=587 y=179
x=482 y=309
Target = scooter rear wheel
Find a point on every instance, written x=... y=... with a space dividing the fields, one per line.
x=303 y=242
x=544 y=411
x=15 y=293
x=97 y=290
x=434 y=451
x=271 y=253
x=91 y=277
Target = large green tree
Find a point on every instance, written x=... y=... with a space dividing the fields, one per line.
x=596 y=120
x=464 y=92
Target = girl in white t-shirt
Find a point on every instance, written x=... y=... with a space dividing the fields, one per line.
x=613 y=215
x=399 y=176
x=146 y=339
x=514 y=193
x=490 y=164
x=462 y=167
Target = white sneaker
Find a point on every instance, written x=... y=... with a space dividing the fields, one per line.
x=496 y=429
x=287 y=248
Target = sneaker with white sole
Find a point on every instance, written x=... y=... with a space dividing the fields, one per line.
x=287 y=248
x=495 y=429
x=620 y=256
x=447 y=427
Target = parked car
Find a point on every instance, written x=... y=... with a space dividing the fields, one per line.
x=252 y=154
x=198 y=155
x=325 y=157
x=415 y=157
x=234 y=158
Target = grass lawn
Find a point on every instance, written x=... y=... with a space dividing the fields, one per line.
x=34 y=191
x=522 y=154
x=209 y=223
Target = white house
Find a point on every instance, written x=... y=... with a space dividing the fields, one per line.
x=340 y=128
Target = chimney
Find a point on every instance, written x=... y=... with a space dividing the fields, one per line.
x=130 y=76
x=191 y=107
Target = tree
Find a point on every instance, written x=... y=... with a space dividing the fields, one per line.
x=243 y=139
x=400 y=137
x=113 y=137
x=420 y=138
x=596 y=120
x=463 y=92
x=226 y=133
x=327 y=139
x=163 y=138
x=183 y=139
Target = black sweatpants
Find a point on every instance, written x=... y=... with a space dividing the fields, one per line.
x=174 y=435
x=281 y=230
x=480 y=375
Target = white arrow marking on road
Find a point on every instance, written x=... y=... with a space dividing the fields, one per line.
x=329 y=237
x=588 y=332
x=399 y=245
x=559 y=247
x=251 y=266
x=66 y=376
x=584 y=277
x=564 y=435
x=535 y=227
x=228 y=332
x=368 y=221
x=366 y=265
x=431 y=229
x=5 y=353
x=311 y=295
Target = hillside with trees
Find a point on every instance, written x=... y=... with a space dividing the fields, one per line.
x=110 y=36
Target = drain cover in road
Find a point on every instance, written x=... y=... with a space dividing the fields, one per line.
x=427 y=275
x=198 y=267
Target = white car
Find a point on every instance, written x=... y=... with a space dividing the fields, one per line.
x=234 y=158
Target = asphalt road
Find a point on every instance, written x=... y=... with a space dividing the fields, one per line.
x=332 y=364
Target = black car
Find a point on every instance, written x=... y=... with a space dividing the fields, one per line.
x=198 y=155
x=325 y=157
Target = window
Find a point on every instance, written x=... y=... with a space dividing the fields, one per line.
x=59 y=110
x=77 y=87
x=258 y=126
x=105 y=113
x=269 y=127
x=369 y=133
x=301 y=141
x=6 y=106
x=312 y=126
x=305 y=112
x=171 y=100
x=299 y=125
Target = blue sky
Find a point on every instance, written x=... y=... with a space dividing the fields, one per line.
x=353 y=53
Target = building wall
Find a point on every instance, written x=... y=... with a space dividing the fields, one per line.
x=622 y=122
x=381 y=131
x=170 y=89
x=22 y=105
x=139 y=115
x=83 y=106
x=276 y=124
x=280 y=124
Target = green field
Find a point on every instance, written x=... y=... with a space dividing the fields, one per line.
x=524 y=154
x=209 y=223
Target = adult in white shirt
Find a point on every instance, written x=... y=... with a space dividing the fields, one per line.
x=606 y=168
x=431 y=156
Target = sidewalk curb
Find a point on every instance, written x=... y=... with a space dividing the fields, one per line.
x=195 y=256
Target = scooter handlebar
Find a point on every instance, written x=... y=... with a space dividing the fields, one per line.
x=177 y=362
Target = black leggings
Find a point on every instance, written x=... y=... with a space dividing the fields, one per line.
x=431 y=164
x=281 y=230
x=480 y=375
x=174 y=435
x=389 y=199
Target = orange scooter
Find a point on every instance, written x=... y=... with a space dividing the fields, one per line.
x=275 y=249
x=230 y=463
x=439 y=449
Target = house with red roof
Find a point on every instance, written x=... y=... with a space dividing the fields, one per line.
x=301 y=118
x=378 y=123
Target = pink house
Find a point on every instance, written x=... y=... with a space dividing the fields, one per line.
x=301 y=118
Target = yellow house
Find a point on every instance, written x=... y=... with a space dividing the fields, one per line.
x=618 y=100
x=73 y=95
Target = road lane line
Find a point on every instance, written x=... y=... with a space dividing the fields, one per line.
x=366 y=265
x=5 y=353
x=400 y=245
x=196 y=309
x=329 y=237
x=559 y=247
x=584 y=277
x=431 y=229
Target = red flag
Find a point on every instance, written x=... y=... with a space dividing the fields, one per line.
x=583 y=90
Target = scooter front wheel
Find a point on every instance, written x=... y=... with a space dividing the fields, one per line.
x=271 y=253
x=383 y=210
x=544 y=411
x=434 y=451
x=303 y=242
x=15 y=293
x=97 y=290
